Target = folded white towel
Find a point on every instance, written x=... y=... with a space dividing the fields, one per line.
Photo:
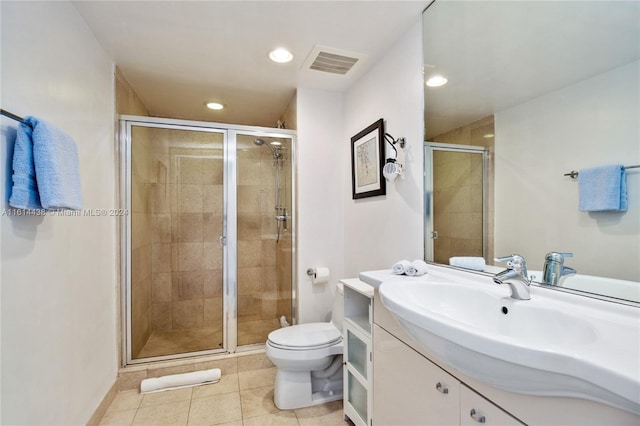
x=400 y=267
x=468 y=262
x=417 y=268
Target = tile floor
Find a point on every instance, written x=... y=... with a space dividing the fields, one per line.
x=239 y=399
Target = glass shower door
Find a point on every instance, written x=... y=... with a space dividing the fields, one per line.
x=264 y=235
x=455 y=218
x=177 y=220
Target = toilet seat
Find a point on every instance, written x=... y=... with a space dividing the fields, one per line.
x=304 y=337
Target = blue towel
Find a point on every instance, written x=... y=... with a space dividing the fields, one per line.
x=603 y=189
x=24 y=193
x=54 y=157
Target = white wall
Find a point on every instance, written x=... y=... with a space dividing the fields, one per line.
x=58 y=299
x=333 y=230
x=378 y=231
x=591 y=123
x=320 y=181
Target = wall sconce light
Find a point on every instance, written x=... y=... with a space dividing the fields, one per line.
x=392 y=169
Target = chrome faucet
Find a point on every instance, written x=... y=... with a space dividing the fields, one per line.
x=554 y=268
x=515 y=276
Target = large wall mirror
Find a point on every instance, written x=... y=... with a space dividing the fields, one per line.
x=544 y=88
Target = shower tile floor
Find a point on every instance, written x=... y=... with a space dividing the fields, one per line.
x=244 y=398
x=166 y=342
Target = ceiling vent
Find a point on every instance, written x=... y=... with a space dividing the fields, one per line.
x=334 y=61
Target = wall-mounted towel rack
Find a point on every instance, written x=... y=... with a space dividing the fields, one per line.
x=574 y=173
x=11 y=115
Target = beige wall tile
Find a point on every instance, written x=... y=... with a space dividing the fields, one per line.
x=249 y=253
x=161 y=316
x=161 y=257
x=213 y=311
x=250 y=226
x=189 y=198
x=190 y=256
x=187 y=314
x=249 y=281
x=161 y=286
x=188 y=227
x=213 y=199
x=211 y=227
x=188 y=285
x=212 y=256
x=212 y=170
x=213 y=283
x=189 y=170
x=161 y=228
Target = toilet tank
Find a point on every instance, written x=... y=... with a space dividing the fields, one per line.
x=337 y=312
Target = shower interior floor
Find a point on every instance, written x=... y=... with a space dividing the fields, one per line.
x=169 y=342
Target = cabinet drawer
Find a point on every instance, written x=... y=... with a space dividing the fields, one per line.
x=476 y=410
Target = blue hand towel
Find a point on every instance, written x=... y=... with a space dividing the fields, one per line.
x=603 y=189
x=24 y=193
x=57 y=172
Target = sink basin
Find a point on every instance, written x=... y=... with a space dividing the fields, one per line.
x=554 y=344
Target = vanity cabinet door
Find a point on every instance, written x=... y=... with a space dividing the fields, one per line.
x=408 y=389
x=475 y=409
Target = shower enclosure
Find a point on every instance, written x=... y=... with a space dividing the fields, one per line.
x=208 y=244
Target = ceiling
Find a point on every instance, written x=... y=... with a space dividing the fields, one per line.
x=497 y=54
x=178 y=55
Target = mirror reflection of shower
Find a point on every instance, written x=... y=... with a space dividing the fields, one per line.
x=281 y=215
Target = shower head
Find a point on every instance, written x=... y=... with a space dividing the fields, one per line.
x=274 y=150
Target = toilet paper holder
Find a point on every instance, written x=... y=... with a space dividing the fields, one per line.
x=311 y=272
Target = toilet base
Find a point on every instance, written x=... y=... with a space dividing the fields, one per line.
x=293 y=389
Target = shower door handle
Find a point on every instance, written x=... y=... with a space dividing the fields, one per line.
x=434 y=235
x=223 y=240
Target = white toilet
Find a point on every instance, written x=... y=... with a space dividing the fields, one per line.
x=309 y=360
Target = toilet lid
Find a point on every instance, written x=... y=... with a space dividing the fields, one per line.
x=305 y=336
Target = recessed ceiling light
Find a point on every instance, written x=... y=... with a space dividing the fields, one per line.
x=276 y=143
x=437 y=81
x=488 y=136
x=280 y=55
x=214 y=105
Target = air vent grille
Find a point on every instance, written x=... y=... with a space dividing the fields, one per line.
x=333 y=63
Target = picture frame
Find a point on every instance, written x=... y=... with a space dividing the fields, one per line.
x=367 y=161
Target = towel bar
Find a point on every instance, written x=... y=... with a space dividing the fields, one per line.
x=11 y=115
x=574 y=173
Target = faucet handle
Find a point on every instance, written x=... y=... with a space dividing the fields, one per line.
x=515 y=262
x=557 y=256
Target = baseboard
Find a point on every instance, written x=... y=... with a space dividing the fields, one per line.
x=99 y=413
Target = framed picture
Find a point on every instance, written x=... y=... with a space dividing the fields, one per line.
x=367 y=161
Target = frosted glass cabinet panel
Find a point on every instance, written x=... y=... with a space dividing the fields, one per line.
x=358 y=320
x=358 y=354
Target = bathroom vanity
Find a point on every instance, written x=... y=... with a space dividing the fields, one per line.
x=412 y=385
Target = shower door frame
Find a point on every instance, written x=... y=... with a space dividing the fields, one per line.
x=228 y=239
x=429 y=235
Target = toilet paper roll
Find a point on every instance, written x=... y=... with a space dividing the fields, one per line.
x=321 y=276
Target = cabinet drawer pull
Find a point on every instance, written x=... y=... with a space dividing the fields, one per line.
x=441 y=388
x=477 y=417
